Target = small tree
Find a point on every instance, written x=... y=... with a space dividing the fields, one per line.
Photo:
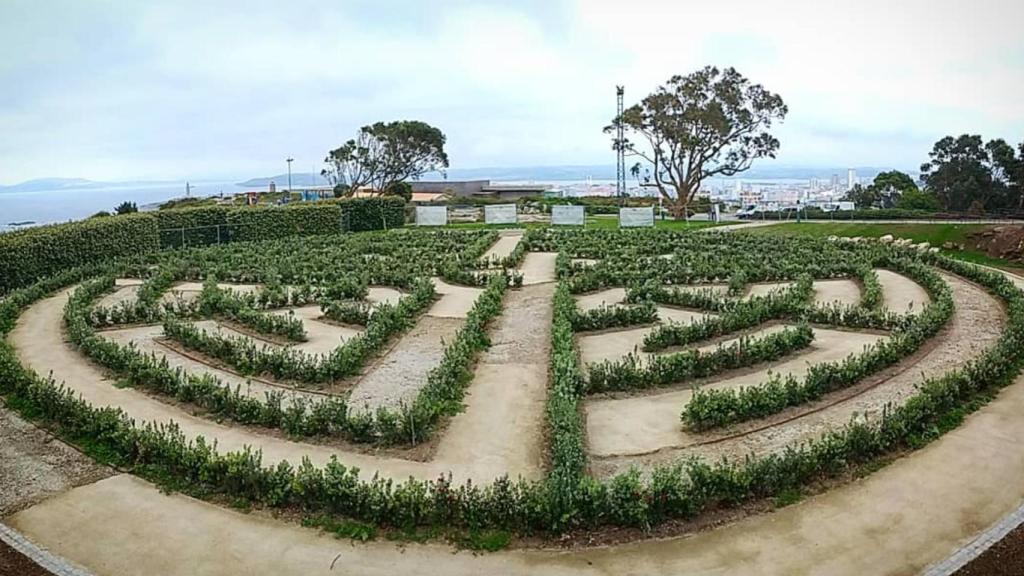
x=383 y=154
x=126 y=208
x=710 y=123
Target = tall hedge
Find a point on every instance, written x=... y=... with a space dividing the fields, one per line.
x=363 y=214
x=196 y=226
x=28 y=255
x=273 y=222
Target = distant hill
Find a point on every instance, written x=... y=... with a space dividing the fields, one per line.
x=50 y=184
x=281 y=180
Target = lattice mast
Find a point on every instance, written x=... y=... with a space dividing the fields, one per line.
x=620 y=138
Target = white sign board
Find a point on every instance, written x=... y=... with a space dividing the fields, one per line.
x=500 y=214
x=636 y=217
x=567 y=215
x=431 y=215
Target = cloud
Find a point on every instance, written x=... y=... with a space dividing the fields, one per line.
x=191 y=89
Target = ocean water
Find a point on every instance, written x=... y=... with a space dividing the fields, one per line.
x=61 y=205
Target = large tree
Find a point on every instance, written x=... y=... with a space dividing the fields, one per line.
x=709 y=123
x=883 y=192
x=384 y=154
x=968 y=174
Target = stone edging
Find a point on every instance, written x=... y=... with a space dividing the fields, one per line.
x=48 y=561
x=978 y=546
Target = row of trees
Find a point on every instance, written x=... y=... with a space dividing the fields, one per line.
x=709 y=123
x=963 y=174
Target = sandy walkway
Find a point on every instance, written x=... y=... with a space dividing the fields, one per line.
x=538 y=267
x=503 y=246
x=901 y=294
x=40 y=346
x=975 y=326
x=397 y=378
x=509 y=389
x=614 y=344
x=147 y=339
x=897 y=521
x=455 y=301
x=126 y=291
x=33 y=466
x=642 y=424
x=840 y=291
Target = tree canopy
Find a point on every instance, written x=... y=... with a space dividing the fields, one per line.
x=885 y=191
x=709 y=123
x=384 y=154
x=965 y=173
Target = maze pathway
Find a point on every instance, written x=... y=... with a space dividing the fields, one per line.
x=901 y=294
x=936 y=499
x=977 y=322
x=642 y=424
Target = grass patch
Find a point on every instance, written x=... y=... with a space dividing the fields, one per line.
x=935 y=234
x=787 y=497
x=349 y=529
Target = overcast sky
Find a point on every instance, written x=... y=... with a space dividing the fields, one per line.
x=176 y=90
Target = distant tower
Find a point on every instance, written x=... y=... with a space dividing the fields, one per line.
x=620 y=139
x=851 y=178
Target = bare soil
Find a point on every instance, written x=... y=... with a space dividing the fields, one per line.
x=13 y=563
x=538 y=268
x=1004 y=558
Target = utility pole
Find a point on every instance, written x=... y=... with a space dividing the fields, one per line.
x=620 y=139
x=289 y=161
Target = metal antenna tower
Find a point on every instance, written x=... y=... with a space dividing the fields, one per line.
x=620 y=168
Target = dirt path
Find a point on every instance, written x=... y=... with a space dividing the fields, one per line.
x=397 y=378
x=975 y=326
x=897 y=521
x=35 y=466
x=840 y=291
x=40 y=346
x=901 y=294
x=149 y=340
x=538 y=268
x=321 y=337
x=643 y=424
x=455 y=301
x=503 y=246
x=503 y=423
x=126 y=291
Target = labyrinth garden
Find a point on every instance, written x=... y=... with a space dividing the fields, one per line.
x=537 y=383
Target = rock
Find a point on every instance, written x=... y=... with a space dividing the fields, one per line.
x=934 y=250
x=887 y=239
x=923 y=246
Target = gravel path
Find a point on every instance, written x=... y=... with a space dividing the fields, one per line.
x=34 y=465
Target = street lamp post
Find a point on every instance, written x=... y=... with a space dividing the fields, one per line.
x=289 y=161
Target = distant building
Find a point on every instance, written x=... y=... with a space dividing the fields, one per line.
x=835 y=182
x=851 y=178
x=479 y=189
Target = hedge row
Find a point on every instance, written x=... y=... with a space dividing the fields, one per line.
x=567 y=499
x=28 y=255
x=720 y=407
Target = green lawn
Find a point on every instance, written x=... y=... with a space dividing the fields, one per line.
x=934 y=234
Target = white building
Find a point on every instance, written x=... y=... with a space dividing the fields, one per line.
x=851 y=178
